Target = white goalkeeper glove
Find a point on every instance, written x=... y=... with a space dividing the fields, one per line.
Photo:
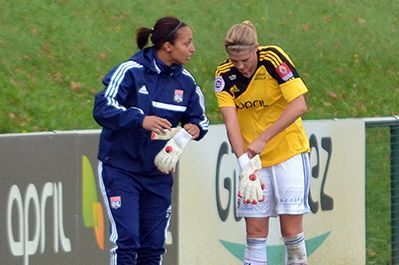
x=167 y=158
x=166 y=135
x=251 y=185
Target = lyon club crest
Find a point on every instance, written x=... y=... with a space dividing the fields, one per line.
x=178 y=95
x=115 y=202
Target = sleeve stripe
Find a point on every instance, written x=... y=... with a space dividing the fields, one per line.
x=118 y=76
x=187 y=73
x=271 y=57
x=112 y=102
x=275 y=52
x=113 y=86
x=205 y=122
x=223 y=68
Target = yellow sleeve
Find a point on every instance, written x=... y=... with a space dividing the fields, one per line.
x=293 y=89
x=224 y=98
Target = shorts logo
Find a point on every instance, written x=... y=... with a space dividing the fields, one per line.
x=178 y=95
x=292 y=201
x=115 y=202
x=284 y=71
x=219 y=84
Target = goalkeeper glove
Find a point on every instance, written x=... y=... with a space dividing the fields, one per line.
x=166 y=135
x=167 y=158
x=251 y=184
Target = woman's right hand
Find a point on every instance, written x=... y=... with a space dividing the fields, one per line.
x=156 y=124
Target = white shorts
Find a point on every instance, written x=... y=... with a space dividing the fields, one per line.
x=286 y=189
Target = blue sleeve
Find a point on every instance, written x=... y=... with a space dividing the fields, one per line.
x=195 y=112
x=113 y=108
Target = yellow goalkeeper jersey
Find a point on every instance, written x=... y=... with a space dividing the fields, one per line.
x=261 y=99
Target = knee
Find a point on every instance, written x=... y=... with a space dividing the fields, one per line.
x=291 y=226
x=128 y=239
x=257 y=230
x=291 y=232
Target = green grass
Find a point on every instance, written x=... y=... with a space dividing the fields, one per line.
x=54 y=54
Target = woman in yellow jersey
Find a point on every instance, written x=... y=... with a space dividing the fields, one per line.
x=261 y=98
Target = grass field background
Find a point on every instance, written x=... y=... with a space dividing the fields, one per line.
x=54 y=54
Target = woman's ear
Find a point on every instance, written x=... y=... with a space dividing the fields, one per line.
x=167 y=47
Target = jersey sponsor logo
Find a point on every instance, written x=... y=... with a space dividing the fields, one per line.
x=178 y=95
x=284 y=71
x=251 y=104
x=115 y=202
x=219 y=84
x=143 y=90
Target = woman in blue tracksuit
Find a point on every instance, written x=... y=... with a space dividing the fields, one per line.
x=149 y=94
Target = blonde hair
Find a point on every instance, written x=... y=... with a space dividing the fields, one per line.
x=241 y=37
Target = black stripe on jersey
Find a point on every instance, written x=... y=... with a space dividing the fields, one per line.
x=235 y=87
x=224 y=67
x=271 y=58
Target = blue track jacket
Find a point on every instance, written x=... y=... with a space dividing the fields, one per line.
x=142 y=86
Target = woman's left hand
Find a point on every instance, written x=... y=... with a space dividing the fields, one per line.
x=192 y=129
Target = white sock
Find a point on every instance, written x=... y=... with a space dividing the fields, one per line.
x=255 y=251
x=296 y=250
